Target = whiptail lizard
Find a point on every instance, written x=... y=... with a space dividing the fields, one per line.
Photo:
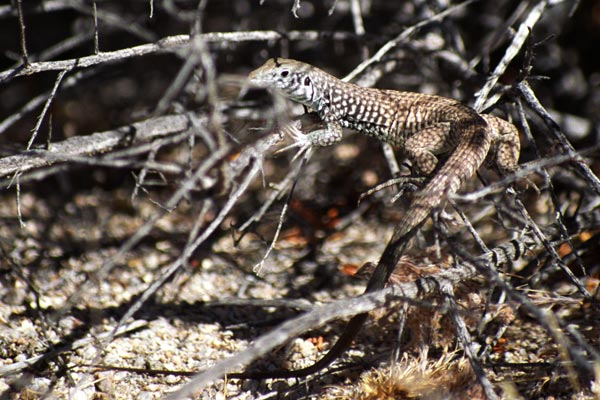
x=421 y=125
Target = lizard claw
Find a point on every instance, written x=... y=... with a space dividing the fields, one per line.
x=303 y=147
x=304 y=150
x=301 y=141
x=291 y=146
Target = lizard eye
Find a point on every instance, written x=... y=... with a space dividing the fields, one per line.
x=285 y=73
x=306 y=81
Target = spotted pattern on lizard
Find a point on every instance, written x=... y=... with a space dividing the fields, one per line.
x=423 y=126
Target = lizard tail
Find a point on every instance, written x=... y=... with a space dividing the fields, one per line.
x=460 y=166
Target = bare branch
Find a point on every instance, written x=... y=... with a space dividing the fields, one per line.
x=95 y=143
x=166 y=45
x=524 y=29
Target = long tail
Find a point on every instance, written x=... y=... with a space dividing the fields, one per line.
x=460 y=166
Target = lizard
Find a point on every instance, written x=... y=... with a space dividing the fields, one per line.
x=422 y=125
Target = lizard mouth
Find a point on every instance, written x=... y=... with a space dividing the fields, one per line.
x=255 y=80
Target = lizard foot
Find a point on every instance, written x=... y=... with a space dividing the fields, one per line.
x=301 y=141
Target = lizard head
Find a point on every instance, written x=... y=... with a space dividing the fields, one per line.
x=291 y=78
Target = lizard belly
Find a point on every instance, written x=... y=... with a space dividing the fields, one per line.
x=378 y=131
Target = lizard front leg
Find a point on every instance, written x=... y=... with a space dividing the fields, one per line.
x=330 y=135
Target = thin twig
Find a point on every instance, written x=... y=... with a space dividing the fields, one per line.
x=257 y=268
x=23 y=41
x=96 y=40
x=40 y=118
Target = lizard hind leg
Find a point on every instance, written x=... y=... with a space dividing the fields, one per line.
x=423 y=146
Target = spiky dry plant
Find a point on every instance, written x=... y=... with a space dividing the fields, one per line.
x=417 y=378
